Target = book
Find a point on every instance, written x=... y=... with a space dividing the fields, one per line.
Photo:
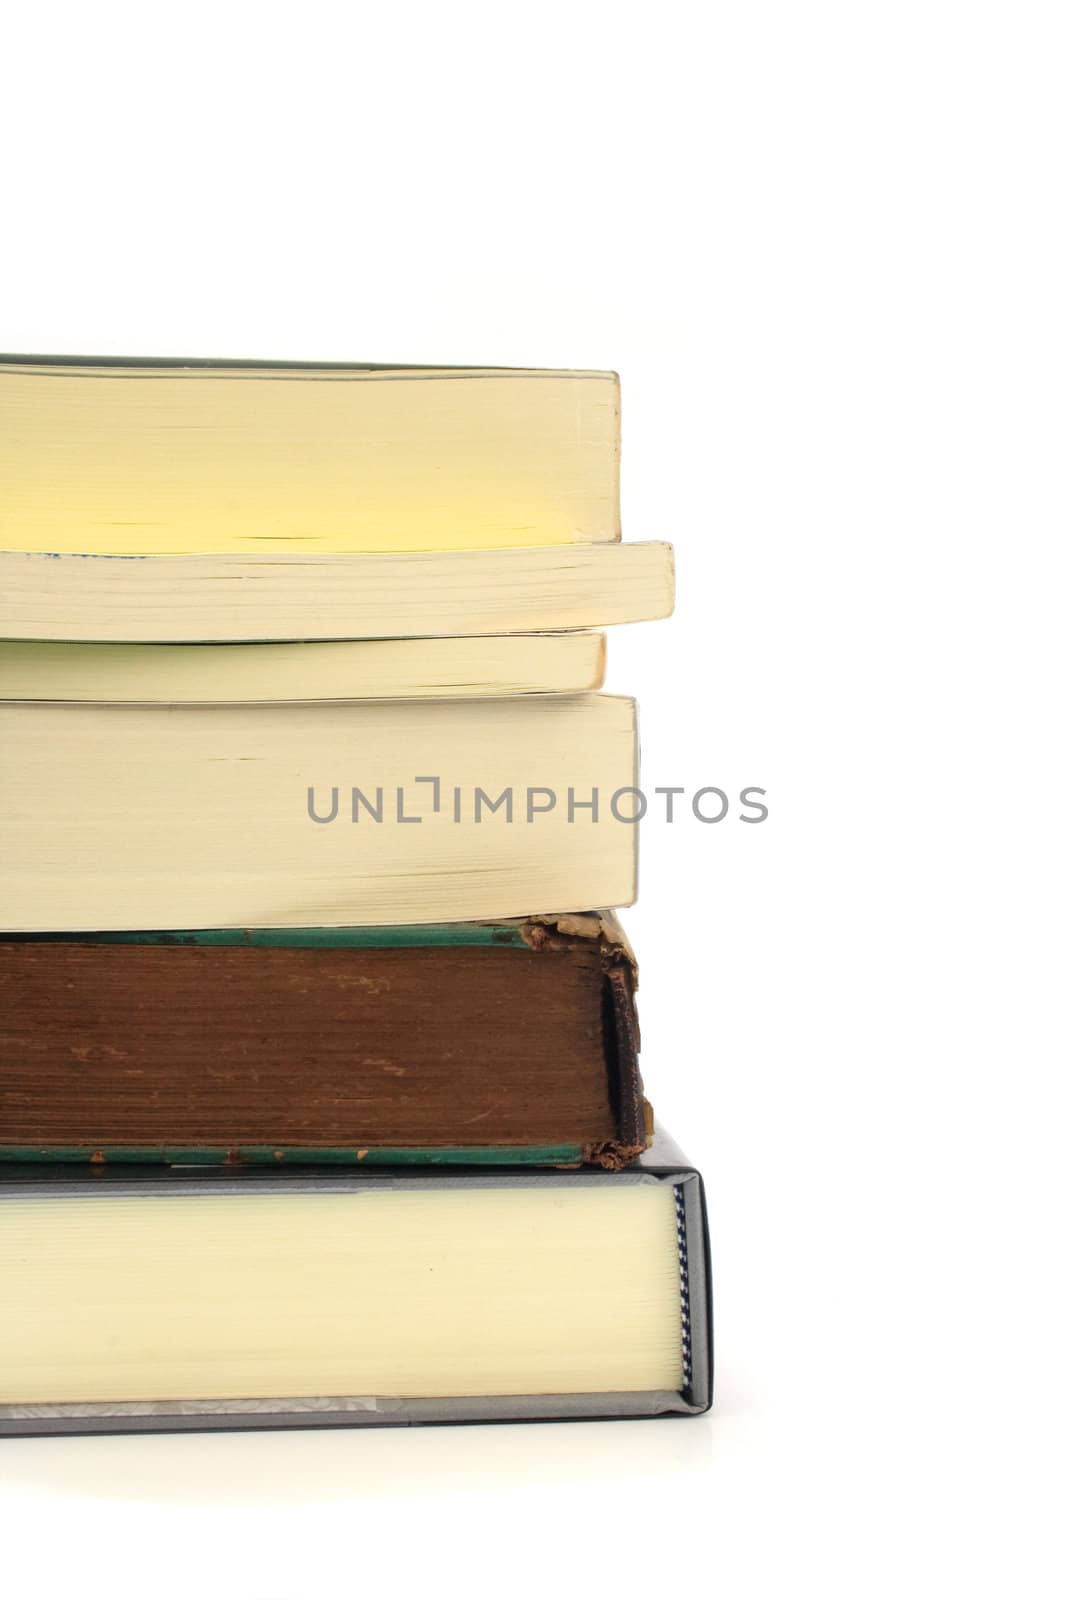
x=186 y=1298
x=138 y=456
x=468 y=1042
x=361 y=669
x=314 y=815
x=238 y=598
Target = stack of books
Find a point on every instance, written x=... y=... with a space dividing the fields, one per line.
x=319 y=1086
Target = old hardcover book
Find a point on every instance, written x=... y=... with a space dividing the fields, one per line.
x=352 y=814
x=361 y=669
x=216 y=1297
x=151 y=457
x=250 y=598
x=470 y=1042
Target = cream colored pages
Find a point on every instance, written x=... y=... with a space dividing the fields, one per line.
x=503 y=1291
x=363 y=669
x=163 y=460
x=192 y=598
x=197 y=817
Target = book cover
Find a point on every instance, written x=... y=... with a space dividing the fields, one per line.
x=319 y=1299
x=489 y=1043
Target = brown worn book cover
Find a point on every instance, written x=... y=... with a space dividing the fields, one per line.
x=502 y=1042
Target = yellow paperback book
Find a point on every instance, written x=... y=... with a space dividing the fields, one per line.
x=154 y=457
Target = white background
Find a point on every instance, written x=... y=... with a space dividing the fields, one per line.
x=824 y=244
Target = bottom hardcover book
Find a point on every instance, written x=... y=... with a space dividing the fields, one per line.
x=191 y=1298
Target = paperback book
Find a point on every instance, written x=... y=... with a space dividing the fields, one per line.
x=359 y=813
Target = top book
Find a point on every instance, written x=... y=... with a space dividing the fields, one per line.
x=156 y=457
